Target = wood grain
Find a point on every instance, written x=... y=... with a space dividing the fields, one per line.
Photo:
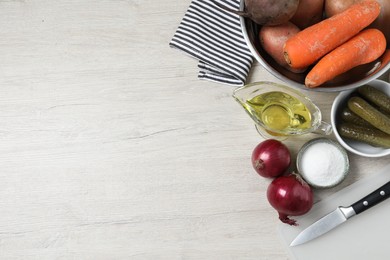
x=111 y=148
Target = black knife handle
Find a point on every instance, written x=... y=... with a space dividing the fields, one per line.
x=372 y=199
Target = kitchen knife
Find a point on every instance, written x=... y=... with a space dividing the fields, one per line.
x=342 y=214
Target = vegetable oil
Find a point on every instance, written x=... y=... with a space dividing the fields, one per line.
x=279 y=111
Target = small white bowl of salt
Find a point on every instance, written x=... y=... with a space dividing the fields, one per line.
x=322 y=163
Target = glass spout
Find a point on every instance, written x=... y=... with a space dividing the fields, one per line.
x=324 y=129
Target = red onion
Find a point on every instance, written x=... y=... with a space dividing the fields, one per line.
x=271 y=158
x=290 y=196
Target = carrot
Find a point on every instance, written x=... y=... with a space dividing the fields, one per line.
x=365 y=47
x=309 y=45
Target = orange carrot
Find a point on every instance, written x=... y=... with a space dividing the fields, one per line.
x=365 y=47
x=309 y=45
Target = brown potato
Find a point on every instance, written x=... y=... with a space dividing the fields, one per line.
x=308 y=13
x=333 y=7
x=272 y=39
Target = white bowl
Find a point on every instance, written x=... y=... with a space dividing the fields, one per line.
x=356 y=147
x=311 y=163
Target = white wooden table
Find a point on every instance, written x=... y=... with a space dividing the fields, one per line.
x=111 y=148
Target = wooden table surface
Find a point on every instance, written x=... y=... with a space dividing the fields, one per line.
x=111 y=148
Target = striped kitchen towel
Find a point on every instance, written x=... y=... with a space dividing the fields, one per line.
x=214 y=37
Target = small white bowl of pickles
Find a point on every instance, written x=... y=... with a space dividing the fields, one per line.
x=361 y=119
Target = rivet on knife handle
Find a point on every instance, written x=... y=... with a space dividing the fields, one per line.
x=372 y=199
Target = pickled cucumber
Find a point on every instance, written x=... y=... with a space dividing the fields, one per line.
x=363 y=109
x=367 y=135
x=348 y=116
x=375 y=96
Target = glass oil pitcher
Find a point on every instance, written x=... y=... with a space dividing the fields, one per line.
x=280 y=111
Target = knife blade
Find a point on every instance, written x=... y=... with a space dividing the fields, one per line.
x=341 y=215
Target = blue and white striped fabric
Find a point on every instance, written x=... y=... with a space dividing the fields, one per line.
x=214 y=36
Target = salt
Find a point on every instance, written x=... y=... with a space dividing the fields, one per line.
x=323 y=164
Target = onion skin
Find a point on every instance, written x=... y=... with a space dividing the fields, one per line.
x=290 y=196
x=271 y=158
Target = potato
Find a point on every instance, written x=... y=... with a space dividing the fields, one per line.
x=333 y=7
x=308 y=13
x=272 y=39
